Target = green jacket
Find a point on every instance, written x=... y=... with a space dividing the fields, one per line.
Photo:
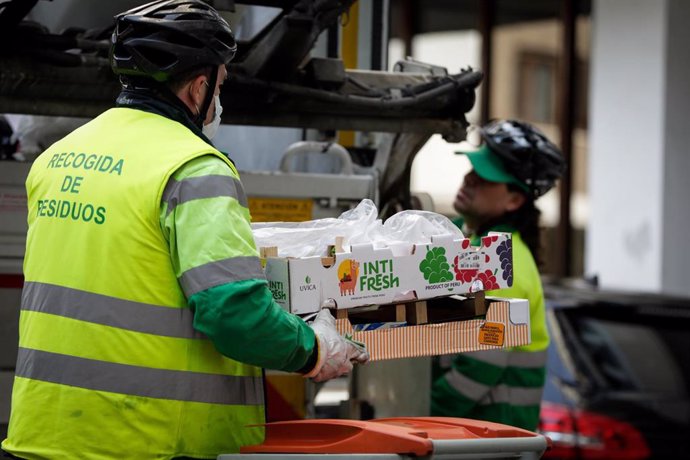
x=503 y=386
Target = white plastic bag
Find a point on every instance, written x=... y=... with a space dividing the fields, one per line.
x=312 y=238
x=36 y=133
x=357 y=226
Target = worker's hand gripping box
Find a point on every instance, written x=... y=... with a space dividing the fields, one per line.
x=368 y=276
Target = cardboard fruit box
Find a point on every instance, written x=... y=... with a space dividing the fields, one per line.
x=452 y=327
x=368 y=276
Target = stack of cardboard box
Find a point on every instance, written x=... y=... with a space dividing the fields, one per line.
x=406 y=279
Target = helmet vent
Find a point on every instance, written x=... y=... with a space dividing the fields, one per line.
x=158 y=57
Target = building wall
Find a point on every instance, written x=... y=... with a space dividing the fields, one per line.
x=437 y=170
x=676 y=211
x=543 y=38
x=627 y=143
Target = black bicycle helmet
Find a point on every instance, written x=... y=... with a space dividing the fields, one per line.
x=526 y=153
x=165 y=38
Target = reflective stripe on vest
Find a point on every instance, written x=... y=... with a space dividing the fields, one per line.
x=194 y=188
x=219 y=272
x=108 y=311
x=122 y=378
x=502 y=393
x=484 y=394
x=500 y=358
x=138 y=381
x=510 y=358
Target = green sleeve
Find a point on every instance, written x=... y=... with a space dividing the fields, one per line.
x=246 y=325
x=205 y=219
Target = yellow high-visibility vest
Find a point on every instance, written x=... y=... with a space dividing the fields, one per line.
x=109 y=365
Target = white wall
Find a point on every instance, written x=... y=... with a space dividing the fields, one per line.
x=437 y=170
x=638 y=136
x=675 y=272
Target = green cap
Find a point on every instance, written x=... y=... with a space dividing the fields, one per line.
x=489 y=167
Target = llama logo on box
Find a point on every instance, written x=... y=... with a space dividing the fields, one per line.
x=348 y=271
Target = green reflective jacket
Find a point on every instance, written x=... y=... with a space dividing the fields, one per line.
x=499 y=386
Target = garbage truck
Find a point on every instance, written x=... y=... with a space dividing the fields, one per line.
x=315 y=122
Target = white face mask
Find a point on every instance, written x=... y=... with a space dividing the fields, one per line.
x=210 y=129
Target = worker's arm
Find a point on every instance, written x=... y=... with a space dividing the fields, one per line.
x=216 y=260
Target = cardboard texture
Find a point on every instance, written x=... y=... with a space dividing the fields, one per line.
x=368 y=276
x=506 y=325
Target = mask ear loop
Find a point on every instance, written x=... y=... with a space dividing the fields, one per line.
x=198 y=112
x=209 y=89
x=201 y=116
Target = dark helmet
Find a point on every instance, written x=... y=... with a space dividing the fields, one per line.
x=526 y=153
x=165 y=38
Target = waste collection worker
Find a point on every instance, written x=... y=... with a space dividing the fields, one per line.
x=515 y=165
x=145 y=316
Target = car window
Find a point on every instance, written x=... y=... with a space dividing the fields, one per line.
x=632 y=356
x=638 y=354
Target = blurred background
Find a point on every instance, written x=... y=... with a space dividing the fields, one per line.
x=606 y=80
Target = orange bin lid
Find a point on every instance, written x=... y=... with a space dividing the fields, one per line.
x=399 y=435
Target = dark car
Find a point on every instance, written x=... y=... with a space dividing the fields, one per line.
x=618 y=380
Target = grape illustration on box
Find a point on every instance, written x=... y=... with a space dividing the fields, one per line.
x=435 y=267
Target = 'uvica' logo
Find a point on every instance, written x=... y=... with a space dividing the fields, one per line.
x=307 y=286
x=347 y=276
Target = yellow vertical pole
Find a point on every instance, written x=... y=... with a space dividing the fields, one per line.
x=348 y=51
x=349 y=40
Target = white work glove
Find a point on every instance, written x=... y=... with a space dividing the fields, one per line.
x=336 y=353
